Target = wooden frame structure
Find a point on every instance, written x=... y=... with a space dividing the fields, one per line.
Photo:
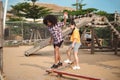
x=79 y=24
x=115 y=40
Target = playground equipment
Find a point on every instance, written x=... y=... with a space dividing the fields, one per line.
x=91 y=22
x=35 y=34
x=115 y=34
x=43 y=43
x=116 y=17
x=60 y=73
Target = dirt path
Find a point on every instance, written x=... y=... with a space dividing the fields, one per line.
x=19 y=67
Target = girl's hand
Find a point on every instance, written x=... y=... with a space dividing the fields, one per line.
x=65 y=15
x=73 y=43
x=50 y=42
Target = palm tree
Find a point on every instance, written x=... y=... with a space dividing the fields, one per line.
x=79 y=5
x=76 y=4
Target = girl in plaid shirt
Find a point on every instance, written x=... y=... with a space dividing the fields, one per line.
x=56 y=36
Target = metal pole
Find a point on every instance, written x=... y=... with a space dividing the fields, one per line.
x=4 y=16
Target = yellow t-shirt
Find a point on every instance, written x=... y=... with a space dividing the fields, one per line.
x=75 y=35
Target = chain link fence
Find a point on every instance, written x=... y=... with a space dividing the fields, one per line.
x=21 y=32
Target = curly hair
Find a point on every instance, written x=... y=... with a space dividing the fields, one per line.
x=51 y=18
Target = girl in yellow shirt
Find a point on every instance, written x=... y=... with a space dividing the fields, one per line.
x=75 y=39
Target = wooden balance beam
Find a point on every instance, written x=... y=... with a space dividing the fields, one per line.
x=60 y=73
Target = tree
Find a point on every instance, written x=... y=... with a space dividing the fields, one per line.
x=29 y=11
x=33 y=1
x=79 y=5
x=108 y=15
x=36 y=12
x=102 y=13
x=89 y=10
x=19 y=8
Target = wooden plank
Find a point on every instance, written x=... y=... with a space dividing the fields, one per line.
x=86 y=47
x=83 y=38
x=113 y=29
x=70 y=74
x=106 y=50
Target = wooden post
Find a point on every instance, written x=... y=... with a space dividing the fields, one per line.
x=111 y=39
x=31 y=35
x=97 y=40
x=1 y=37
x=83 y=40
x=92 y=43
x=116 y=45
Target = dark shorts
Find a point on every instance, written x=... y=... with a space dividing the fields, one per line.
x=58 y=44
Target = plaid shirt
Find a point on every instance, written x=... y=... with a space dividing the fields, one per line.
x=56 y=32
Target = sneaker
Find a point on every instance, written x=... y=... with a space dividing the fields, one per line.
x=54 y=66
x=68 y=61
x=59 y=64
x=76 y=67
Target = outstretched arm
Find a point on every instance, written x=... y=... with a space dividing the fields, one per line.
x=61 y=24
x=65 y=17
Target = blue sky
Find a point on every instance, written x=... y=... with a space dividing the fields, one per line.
x=109 y=6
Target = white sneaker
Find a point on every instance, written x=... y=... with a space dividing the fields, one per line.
x=68 y=61
x=76 y=67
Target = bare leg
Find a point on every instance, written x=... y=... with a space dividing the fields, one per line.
x=69 y=53
x=59 y=57
x=56 y=54
x=76 y=58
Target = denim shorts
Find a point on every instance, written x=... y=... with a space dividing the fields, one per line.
x=76 y=46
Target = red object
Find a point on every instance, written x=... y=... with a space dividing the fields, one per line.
x=70 y=74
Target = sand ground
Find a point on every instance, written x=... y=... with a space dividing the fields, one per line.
x=103 y=65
